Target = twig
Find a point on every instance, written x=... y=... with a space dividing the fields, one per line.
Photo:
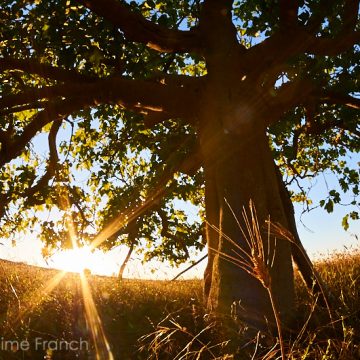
x=190 y=267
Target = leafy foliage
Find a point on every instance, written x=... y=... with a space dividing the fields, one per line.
x=110 y=157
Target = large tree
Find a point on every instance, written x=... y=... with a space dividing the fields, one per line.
x=213 y=101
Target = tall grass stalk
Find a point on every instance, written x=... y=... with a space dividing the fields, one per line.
x=256 y=262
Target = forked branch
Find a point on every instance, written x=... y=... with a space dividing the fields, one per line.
x=29 y=194
x=137 y=28
x=13 y=146
x=344 y=40
x=133 y=94
x=32 y=66
x=288 y=13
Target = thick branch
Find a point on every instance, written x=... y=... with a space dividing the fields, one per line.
x=331 y=97
x=280 y=47
x=33 y=66
x=286 y=97
x=133 y=94
x=344 y=40
x=54 y=111
x=319 y=128
x=32 y=95
x=332 y=47
x=36 y=105
x=304 y=92
x=288 y=13
x=137 y=28
x=51 y=167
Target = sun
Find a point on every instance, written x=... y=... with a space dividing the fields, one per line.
x=74 y=260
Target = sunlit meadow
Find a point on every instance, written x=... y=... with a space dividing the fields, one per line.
x=142 y=319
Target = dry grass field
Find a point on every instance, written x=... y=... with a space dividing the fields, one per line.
x=46 y=310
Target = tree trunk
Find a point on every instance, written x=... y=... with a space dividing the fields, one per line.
x=238 y=169
x=309 y=274
x=126 y=260
x=132 y=233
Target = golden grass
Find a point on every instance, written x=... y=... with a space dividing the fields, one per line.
x=170 y=320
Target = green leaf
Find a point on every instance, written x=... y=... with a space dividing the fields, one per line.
x=345 y=222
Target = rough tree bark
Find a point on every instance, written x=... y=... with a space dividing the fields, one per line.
x=238 y=167
x=244 y=171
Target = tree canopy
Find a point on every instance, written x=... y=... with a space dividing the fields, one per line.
x=100 y=102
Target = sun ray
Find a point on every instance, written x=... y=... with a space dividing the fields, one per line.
x=124 y=218
x=16 y=314
x=66 y=204
x=102 y=347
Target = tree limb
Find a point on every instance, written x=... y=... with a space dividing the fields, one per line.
x=332 y=97
x=30 y=193
x=33 y=66
x=299 y=39
x=53 y=111
x=30 y=106
x=189 y=267
x=334 y=46
x=133 y=94
x=286 y=97
x=137 y=28
x=346 y=37
x=288 y=13
x=32 y=95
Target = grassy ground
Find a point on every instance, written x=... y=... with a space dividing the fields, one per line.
x=166 y=320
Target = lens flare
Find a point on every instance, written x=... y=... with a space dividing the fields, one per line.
x=102 y=347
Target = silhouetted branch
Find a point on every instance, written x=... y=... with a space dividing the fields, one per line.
x=190 y=267
x=332 y=97
x=33 y=66
x=137 y=28
x=133 y=94
x=344 y=40
x=288 y=13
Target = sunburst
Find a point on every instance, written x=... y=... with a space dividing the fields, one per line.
x=76 y=260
